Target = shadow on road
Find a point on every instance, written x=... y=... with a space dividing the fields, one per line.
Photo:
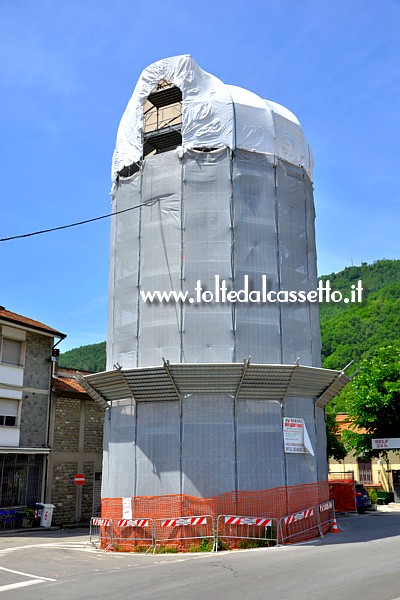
x=363 y=528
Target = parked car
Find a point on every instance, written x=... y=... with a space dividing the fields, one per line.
x=363 y=501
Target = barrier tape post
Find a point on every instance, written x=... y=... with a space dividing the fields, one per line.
x=101 y=532
x=183 y=529
x=235 y=527
x=128 y=532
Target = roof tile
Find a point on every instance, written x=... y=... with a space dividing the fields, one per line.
x=9 y=316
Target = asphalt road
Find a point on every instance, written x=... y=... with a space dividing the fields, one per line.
x=361 y=562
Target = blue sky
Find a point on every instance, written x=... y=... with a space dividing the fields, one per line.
x=67 y=71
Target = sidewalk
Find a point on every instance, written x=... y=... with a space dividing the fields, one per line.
x=9 y=532
x=391 y=507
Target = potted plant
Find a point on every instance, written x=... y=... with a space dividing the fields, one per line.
x=374 y=498
x=29 y=517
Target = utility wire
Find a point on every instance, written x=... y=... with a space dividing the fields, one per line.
x=25 y=235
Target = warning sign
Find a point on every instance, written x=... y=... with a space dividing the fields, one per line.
x=127 y=508
x=295 y=435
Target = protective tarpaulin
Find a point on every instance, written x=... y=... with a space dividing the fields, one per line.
x=214 y=115
x=260 y=457
x=158 y=449
x=207 y=328
x=119 y=456
x=210 y=214
x=160 y=258
x=322 y=461
x=303 y=468
x=255 y=253
x=124 y=275
x=208 y=445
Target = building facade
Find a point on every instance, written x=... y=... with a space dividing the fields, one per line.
x=26 y=353
x=50 y=428
x=76 y=441
x=381 y=474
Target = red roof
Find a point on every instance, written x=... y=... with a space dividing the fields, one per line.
x=10 y=317
x=344 y=422
x=67 y=385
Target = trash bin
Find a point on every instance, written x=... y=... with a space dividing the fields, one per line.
x=47 y=515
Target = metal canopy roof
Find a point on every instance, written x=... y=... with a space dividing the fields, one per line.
x=171 y=382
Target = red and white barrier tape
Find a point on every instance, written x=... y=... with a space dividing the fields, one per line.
x=133 y=523
x=304 y=514
x=184 y=521
x=101 y=522
x=259 y=521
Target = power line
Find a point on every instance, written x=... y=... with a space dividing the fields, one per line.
x=25 y=235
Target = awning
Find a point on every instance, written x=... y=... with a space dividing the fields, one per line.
x=19 y=450
x=171 y=382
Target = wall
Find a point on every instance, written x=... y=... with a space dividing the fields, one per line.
x=76 y=439
x=35 y=400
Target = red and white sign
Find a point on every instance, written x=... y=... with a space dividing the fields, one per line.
x=184 y=521
x=259 y=521
x=295 y=436
x=127 y=508
x=79 y=479
x=133 y=523
x=326 y=506
x=304 y=514
x=100 y=522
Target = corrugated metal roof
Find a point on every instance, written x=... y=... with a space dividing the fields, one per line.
x=244 y=381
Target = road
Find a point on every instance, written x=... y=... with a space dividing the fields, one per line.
x=361 y=562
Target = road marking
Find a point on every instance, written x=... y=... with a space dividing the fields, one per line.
x=27 y=574
x=13 y=586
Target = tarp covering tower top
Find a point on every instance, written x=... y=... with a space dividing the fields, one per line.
x=214 y=115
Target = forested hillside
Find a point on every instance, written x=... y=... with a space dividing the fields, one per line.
x=85 y=358
x=356 y=331
x=349 y=331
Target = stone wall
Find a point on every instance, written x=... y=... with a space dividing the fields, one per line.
x=35 y=404
x=77 y=447
x=67 y=424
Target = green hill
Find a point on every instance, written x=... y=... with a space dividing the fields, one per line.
x=85 y=358
x=349 y=331
x=355 y=331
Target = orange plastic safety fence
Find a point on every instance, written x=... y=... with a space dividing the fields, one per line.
x=274 y=503
x=343 y=494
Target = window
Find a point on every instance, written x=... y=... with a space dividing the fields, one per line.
x=8 y=412
x=364 y=470
x=8 y=421
x=11 y=352
x=162 y=119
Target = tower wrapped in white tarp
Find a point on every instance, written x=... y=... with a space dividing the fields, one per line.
x=211 y=183
x=227 y=193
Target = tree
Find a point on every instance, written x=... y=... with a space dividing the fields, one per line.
x=373 y=403
x=334 y=446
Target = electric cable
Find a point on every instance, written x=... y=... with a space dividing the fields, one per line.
x=118 y=212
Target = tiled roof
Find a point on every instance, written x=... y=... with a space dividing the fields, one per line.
x=10 y=317
x=67 y=385
x=345 y=422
